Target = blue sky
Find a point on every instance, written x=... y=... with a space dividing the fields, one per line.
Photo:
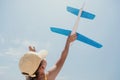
x=27 y=22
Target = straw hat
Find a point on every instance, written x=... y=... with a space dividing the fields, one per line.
x=30 y=62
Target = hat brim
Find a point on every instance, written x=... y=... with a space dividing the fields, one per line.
x=42 y=54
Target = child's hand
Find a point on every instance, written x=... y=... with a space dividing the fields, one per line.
x=32 y=48
x=72 y=38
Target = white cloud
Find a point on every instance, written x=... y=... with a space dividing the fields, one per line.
x=27 y=43
x=13 y=51
x=18 y=47
x=24 y=42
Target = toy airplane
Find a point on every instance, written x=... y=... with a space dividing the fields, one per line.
x=80 y=37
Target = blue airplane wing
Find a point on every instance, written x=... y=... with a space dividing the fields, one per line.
x=84 y=14
x=79 y=37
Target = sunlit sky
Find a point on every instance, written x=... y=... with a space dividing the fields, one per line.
x=28 y=22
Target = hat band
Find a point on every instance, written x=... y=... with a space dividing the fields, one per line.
x=32 y=75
